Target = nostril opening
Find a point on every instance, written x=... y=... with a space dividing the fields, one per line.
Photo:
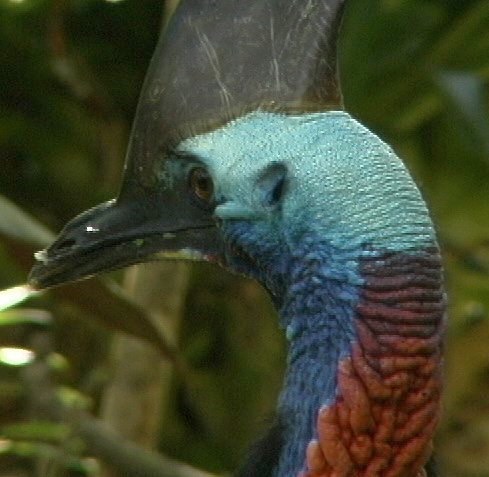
x=67 y=243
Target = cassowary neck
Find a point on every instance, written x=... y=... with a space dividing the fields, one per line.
x=364 y=361
x=317 y=313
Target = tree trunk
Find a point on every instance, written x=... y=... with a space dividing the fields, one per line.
x=135 y=399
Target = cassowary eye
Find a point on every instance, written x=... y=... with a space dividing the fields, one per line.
x=201 y=184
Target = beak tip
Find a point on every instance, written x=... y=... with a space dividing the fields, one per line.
x=33 y=281
x=34 y=285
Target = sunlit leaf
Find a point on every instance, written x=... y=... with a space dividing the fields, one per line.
x=15 y=295
x=15 y=356
x=21 y=316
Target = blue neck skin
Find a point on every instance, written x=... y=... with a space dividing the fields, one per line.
x=315 y=288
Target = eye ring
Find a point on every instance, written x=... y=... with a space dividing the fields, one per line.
x=201 y=184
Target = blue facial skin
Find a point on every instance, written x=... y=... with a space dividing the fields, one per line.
x=301 y=199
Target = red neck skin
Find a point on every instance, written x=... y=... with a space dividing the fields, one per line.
x=389 y=389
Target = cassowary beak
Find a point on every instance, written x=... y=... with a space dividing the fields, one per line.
x=122 y=232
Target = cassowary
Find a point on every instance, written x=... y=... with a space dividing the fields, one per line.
x=241 y=154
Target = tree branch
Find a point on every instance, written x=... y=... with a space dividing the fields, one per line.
x=124 y=457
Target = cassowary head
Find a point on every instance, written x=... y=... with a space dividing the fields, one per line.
x=240 y=154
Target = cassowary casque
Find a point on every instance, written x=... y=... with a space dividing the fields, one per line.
x=241 y=154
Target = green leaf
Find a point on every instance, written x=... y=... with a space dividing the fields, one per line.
x=73 y=399
x=19 y=225
x=44 y=431
x=32 y=450
x=22 y=316
x=15 y=295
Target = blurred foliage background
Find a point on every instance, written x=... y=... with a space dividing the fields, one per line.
x=415 y=71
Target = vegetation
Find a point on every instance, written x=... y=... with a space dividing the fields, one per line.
x=201 y=352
